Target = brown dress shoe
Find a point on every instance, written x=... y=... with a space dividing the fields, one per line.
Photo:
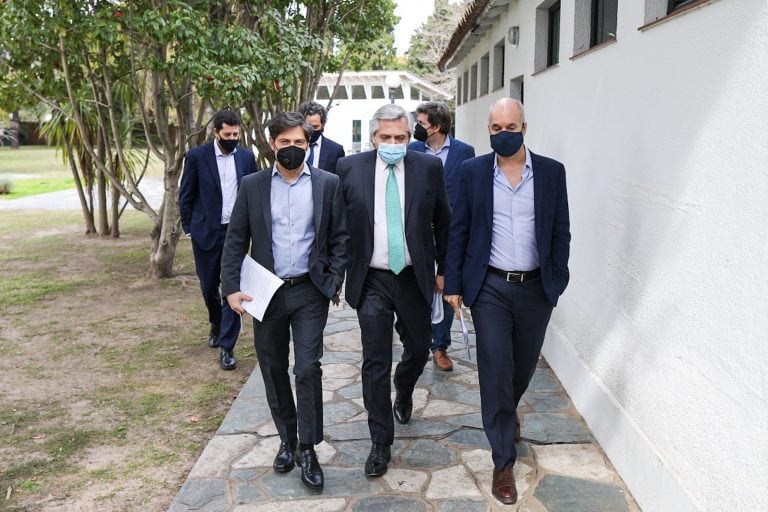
x=442 y=360
x=503 y=486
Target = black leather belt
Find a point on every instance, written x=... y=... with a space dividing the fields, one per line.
x=515 y=276
x=293 y=281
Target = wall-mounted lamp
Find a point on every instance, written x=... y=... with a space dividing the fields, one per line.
x=513 y=35
x=392 y=82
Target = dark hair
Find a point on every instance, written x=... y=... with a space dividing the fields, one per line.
x=287 y=120
x=225 y=116
x=437 y=113
x=310 y=108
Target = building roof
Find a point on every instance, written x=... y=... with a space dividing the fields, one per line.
x=383 y=78
x=476 y=21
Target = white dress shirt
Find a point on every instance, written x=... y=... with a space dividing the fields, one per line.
x=228 y=179
x=380 y=257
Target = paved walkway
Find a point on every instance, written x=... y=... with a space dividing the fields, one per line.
x=440 y=461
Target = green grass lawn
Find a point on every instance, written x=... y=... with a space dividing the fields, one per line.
x=33 y=160
x=32 y=186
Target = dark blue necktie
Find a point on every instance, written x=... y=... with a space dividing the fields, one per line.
x=311 y=159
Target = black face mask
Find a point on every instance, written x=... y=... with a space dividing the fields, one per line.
x=420 y=133
x=291 y=157
x=228 y=145
x=506 y=143
x=315 y=135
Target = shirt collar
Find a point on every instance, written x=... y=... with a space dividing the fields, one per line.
x=218 y=151
x=304 y=170
x=527 y=167
x=446 y=144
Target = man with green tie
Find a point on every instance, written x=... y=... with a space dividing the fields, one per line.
x=398 y=217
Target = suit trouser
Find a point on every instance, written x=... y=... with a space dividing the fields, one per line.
x=510 y=322
x=208 y=268
x=301 y=310
x=441 y=331
x=383 y=295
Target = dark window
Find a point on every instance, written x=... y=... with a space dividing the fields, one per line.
x=458 y=91
x=498 y=65
x=553 y=35
x=473 y=81
x=414 y=93
x=358 y=92
x=678 y=4
x=377 y=92
x=466 y=87
x=340 y=93
x=322 y=93
x=356 y=131
x=603 y=21
x=485 y=61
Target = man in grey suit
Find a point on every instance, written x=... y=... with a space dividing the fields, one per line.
x=294 y=220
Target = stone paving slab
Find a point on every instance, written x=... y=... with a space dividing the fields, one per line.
x=441 y=460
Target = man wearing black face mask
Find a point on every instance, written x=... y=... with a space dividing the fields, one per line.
x=212 y=174
x=322 y=153
x=294 y=220
x=433 y=124
x=507 y=260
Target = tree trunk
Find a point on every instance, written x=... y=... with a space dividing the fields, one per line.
x=101 y=194
x=114 y=210
x=15 y=132
x=166 y=230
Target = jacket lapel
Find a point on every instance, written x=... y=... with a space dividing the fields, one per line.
x=409 y=177
x=210 y=159
x=538 y=194
x=450 y=160
x=369 y=184
x=318 y=192
x=266 y=202
x=487 y=191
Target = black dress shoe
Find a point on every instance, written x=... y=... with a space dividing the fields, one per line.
x=311 y=472
x=213 y=336
x=402 y=408
x=227 y=360
x=376 y=465
x=286 y=455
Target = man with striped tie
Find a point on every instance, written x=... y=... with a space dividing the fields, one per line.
x=398 y=215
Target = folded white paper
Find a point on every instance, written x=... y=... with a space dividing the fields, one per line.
x=259 y=283
x=437 y=308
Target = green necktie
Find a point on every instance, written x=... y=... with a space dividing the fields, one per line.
x=395 y=236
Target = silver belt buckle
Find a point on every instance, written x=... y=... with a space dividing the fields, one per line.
x=520 y=275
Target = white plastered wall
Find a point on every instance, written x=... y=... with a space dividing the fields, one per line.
x=661 y=338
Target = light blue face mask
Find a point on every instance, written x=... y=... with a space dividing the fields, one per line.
x=391 y=153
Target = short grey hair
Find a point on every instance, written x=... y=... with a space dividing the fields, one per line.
x=391 y=112
x=513 y=101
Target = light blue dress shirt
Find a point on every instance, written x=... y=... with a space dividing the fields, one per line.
x=293 y=223
x=513 y=242
x=441 y=153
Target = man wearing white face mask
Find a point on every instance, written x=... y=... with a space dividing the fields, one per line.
x=398 y=214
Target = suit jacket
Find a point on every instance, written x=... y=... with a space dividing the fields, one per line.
x=427 y=218
x=330 y=152
x=457 y=152
x=469 y=245
x=200 y=191
x=251 y=223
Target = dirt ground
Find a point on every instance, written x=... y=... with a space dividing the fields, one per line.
x=108 y=390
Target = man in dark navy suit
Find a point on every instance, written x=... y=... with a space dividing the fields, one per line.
x=508 y=261
x=323 y=153
x=433 y=125
x=212 y=174
x=398 y=217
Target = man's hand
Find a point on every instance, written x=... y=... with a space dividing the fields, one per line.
x=439 y=283
x=235 y=299
x=455 y=302
x=336 y=300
